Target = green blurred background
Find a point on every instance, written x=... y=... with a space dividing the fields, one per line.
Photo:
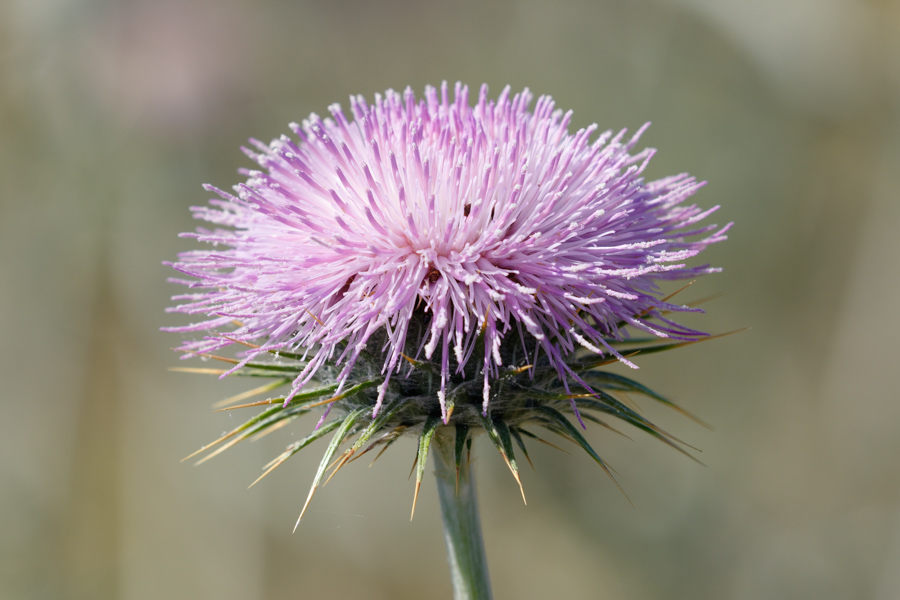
x=113 y=113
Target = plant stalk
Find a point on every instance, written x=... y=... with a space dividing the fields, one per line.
x=462 y=527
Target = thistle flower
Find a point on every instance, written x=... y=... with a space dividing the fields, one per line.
x=427 y=263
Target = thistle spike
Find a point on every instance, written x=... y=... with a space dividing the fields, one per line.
x=431 y=425
x=339 y=436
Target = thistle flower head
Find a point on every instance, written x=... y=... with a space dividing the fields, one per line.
x=428 y=261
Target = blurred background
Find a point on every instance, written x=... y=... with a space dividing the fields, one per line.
x=113 y=113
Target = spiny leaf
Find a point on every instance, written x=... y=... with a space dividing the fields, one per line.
x=516 y=436
x=628 y=384
x=199 y=370
x=387 y=444
x=364 y=437
x=301 y=398
x=339 y=462
x=298 y=398
x=276 y=353
x=387 y=439
x=645 y=426
x=556 y=417
x=349 y=392
x=509 y=454
x=602 y=423
x=498 y=432
x=269 y=418
x=237 y=429
x=610 y=405
x=297 y=446
x=251 y=365
x=250 y=393
x=245 y=372
x=431 y=425
x=377 y=423
x=541 y=440
x=275 y=425
x=339 y=436
x=540 y=394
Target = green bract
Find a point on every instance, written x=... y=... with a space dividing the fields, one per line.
x=527 y=402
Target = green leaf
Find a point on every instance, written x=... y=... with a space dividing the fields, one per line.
x=297 y=446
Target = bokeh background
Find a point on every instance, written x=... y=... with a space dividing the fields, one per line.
x=113 y=113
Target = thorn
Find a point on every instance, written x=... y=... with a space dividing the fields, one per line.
x=210 y=445
x=312 y=491
x=251 y=404
x=386 y=440
x=615 y=481
x=349 y=392
x=415 y=499
x=679 y=290
x=606 y=425
x=543 y=441
x=214 y=453
x=705 y=299
x=242 y=343
x=232 y=361
x=274 y=427
x=346 y=457
x=248 y=394
x=515 y=474
x=319 y=321
x=411 y=361
x=518 y=437
x=267 y=471
x=196 y=370
x=528 y=458
x=377 y=456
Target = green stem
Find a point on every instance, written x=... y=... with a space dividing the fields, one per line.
x=462 y=527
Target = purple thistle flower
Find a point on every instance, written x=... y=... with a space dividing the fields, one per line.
x=481 y=225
